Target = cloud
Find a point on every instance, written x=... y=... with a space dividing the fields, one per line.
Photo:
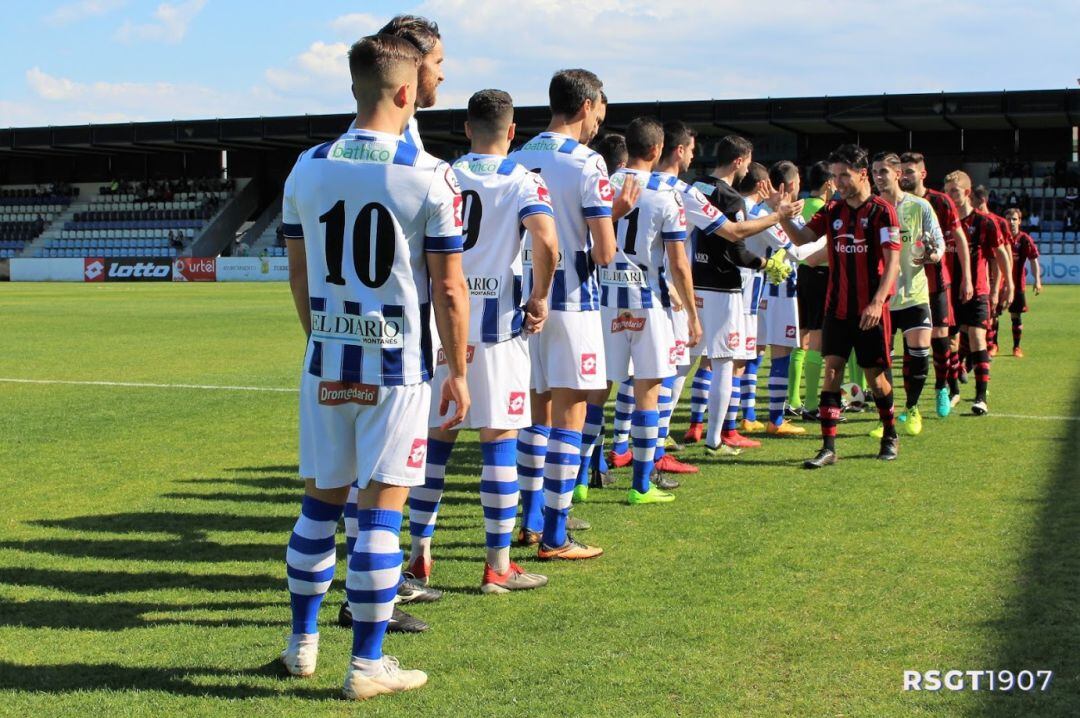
x=320 y=71
x=355 y=25
x=170 y=24
x=76 y=11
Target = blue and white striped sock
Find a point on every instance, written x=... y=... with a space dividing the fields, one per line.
x=350 y=519
x=424 y=500
x=372 y=581
x=310 y=561
x=532 y=446
x=594 y=423
x=731 y=419
x=624 y=407
x=499 y=498
x=560 y=475
x=643 y=430
x=664 y=406
x=749 y=389
x=699 y=395
x=778 y=388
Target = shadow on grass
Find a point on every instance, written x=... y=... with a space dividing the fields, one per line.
x=188 y=681
x=1041 y=630
x=254 y=482
x=122 y=615
x=181 y=524
x=137 y=550
x=97 y=583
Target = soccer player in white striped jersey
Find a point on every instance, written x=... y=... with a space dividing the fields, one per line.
x=635 y=297
x=499 y=196
x=374 y=230
x=568 y=356
x=424 y=34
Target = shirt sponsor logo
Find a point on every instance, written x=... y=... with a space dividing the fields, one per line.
x=484 y=166
x=470 y=352
x=701 y=257
x=622 y=277
x=606 y=192
x=789 y=331
x=515 y=406
x=699 y=302
x=366 y=330
x=843 y=248
x=358 y=151
x=588 y=364
x=676 y=352
x=94 y=270
x=733 y=340
x=627 y=322
x=336 y=393
x=417 y=454
x=526 y=258
x=541 y=144
x=751 y=344
x=483 y=286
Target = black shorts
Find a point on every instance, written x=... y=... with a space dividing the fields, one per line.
x=974 y=313
x=941 y=308
x=813 y=282
x=1019 y=302
x=908 y=318
x=872 y=346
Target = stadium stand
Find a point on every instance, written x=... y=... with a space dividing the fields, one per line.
x=1048 y=198
x=271 y=243
x=25 y=212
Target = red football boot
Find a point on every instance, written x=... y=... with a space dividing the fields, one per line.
x=737 y=440
x=670 y=465
x=693 y=434
x=618 y=461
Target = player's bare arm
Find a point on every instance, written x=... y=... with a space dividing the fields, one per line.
x=602 y=230
x=967 y=290
x=298 y=281
x=683 y=283
x=871 y=316
x=450 y=298
x=545 y=251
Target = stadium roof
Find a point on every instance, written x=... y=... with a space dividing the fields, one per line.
x=1034 y=109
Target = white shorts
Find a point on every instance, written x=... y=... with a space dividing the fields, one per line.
x=498 y=378
x=680 y=327
x=568 y=353
x=750 y=337
x=699 y=350
x=724 y=325
x=641 y=336
x=778 y=322
x=359 y=432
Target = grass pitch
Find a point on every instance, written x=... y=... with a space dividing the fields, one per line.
x=142 y=535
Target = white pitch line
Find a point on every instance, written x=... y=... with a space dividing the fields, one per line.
x=140 y=385
x=214 y=387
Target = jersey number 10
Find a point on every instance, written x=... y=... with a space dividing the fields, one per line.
x=374 y=244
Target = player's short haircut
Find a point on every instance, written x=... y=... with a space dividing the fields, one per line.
x=731 y=148
x=612 y=147
x=851 y=155
x=376 y=62
x=755 y=172
x=890 y=158
x=642 y=134
x=783 y=172
x=676 y=133
x=1014 y=210
x=420 y=31
x=570 y=88
x=817 y=175
x=490 y=112
x=913 y=158
x=959 y=177
x=603 y=97
x=981 y=193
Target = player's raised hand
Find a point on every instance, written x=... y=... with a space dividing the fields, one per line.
x=536 y=314
x=790 y=210
x=626 y=200
x=454 y=390
x=773 y=196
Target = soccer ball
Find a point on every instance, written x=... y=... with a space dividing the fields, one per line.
x=854 y=395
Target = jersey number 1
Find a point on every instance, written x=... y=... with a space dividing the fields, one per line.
x=374 y=244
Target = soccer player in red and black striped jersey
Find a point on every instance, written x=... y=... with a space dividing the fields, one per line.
x=949 y=280
x=863 y=242
x=989 y=260
x=1023 y=251
x=980 y=198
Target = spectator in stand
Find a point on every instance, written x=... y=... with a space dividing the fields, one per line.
x=176 y=241
x=1033 y=221
x=280 y=235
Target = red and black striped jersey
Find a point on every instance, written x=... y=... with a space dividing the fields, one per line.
x=939 y=276
x=984 y=238
x=858 y=238
x=1023 y=250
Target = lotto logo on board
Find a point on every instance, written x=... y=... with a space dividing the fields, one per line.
x=789 y=331
x=336 y=393
x=516 y=405
x=733 y=340
x=606 y=193
x=588 y=364
x=94 y=269
x=417 y=454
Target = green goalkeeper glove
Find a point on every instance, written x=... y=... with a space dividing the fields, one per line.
x=776 y=269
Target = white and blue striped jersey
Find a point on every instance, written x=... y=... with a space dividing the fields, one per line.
x=367 y=207
x=580 y=189
x=497 y=194
x=636 y=279
x=765 y=244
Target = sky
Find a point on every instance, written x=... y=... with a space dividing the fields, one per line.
x=93 y=61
